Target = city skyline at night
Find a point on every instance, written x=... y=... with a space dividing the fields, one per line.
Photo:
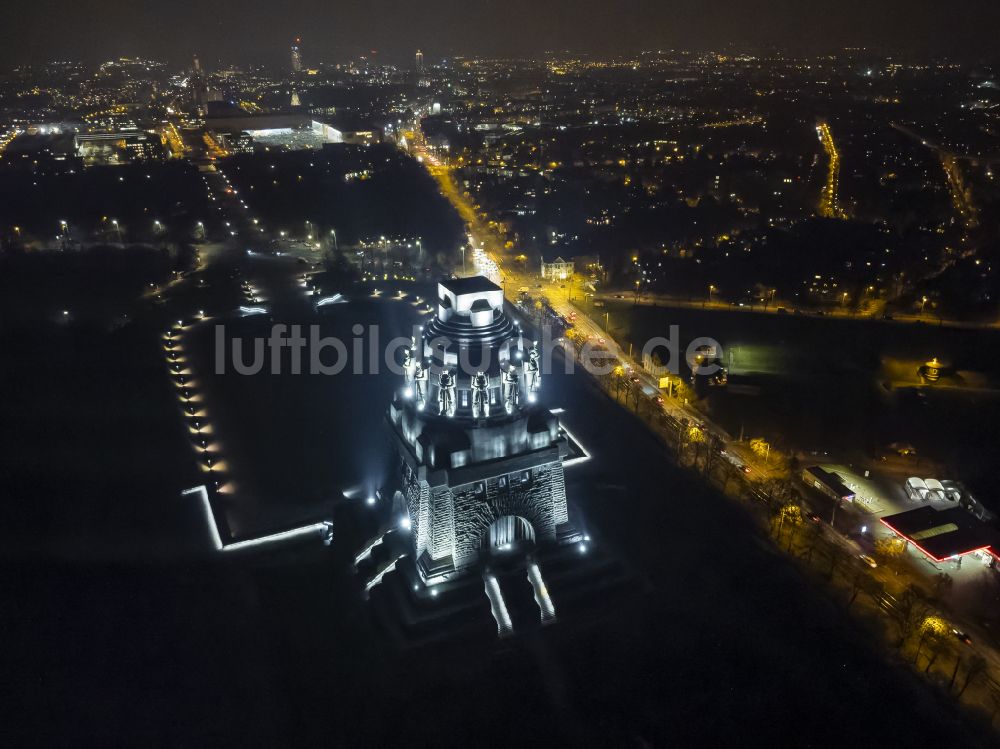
x=254 y=32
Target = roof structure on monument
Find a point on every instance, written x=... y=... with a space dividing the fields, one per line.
x=469 y=285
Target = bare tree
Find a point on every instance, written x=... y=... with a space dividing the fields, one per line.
x=910 y=610
x=994 y=697
x=859 y=579
x=715 y=447
x=813 y=536
x=936 y=644
x=976 y=668
x=889 y=552
x=942 y=584
x=836 y=554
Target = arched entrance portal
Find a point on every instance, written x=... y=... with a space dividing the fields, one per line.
x=508 y=532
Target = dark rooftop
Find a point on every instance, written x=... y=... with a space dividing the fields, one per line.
x=944 y=533
x=831 y=480
x=34 y=142
x=469 y=285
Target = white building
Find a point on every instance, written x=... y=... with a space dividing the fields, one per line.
x=557 y=270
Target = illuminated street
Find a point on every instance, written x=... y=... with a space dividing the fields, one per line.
x=829 y=206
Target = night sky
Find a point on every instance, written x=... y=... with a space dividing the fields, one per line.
x=235 y=31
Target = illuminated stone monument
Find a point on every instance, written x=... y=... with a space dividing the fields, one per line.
x=481 y=463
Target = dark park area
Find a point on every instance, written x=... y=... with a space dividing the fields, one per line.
x=361 y=193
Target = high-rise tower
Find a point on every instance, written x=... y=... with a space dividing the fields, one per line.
x=296 y=56
x=199 y=87
x=420 y=61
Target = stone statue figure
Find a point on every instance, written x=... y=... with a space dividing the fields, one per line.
x=480 y=396
x=511 y=394
x=446 y=393
x=532 y=372
x=408 y=365
x=419 y=384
